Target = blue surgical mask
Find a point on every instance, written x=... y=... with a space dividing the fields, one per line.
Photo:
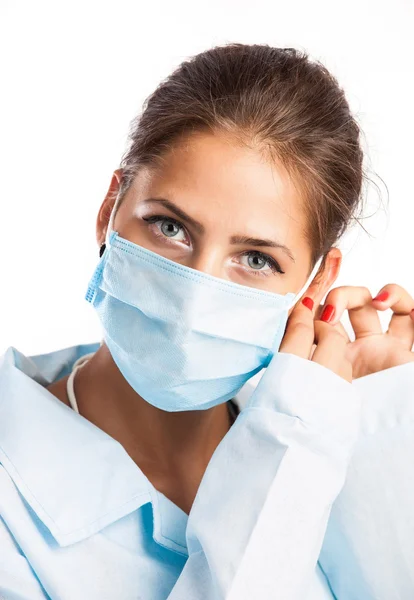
x=183 y=340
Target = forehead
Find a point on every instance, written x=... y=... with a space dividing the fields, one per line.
x=219 y=181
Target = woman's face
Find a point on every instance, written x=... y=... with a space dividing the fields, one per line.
x=221 y=209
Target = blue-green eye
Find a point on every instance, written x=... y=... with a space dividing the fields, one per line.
x=255 y=261
x=169 y=228
x=261 y=263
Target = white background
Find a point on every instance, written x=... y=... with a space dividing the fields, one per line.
x=74 y=74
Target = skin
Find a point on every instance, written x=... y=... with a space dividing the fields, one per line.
x=373 y=350
x=231 y=195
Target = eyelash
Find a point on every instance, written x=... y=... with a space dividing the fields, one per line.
x=156 y=218
x=273 y=264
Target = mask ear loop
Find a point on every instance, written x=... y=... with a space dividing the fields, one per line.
x=110 y=233
x=291 y=300
x=308 y=281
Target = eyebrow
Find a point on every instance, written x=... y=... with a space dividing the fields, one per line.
x=177 y=211
x=258 y=242
x=235 y=239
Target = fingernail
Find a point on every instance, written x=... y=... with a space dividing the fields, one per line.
x=328 y=313
x=308 y=302
x=381 y=297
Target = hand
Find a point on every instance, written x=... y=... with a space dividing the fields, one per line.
x=374 y=350
x=317 y=341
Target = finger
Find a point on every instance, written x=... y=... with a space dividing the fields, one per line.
x=314 y=291
x=357 y=301
x=299 y=335
x=401 y=327
x=341 y=329
x=396 y=298
x=331 y=350
x=338 y=326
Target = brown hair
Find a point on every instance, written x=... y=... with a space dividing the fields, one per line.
x=275 y=99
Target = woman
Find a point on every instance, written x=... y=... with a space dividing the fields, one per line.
x=126 y=471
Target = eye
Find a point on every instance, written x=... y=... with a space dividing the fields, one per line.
x=261 y=263
x=167 y=227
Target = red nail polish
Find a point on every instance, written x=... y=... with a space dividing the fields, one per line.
x=328 y=313
x=308 y=302
x=381 y=297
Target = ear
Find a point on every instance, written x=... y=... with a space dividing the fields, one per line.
x=326 y=277
x=107 y=206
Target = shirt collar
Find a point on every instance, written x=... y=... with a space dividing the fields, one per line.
x=75 y=477
x=59 y=460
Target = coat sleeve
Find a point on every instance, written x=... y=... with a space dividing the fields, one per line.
x=368 y=550
x=258 y=521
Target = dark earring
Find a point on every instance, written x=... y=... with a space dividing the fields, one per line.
x=102 y=249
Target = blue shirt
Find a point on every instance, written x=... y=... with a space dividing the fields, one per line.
x=79 y=520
